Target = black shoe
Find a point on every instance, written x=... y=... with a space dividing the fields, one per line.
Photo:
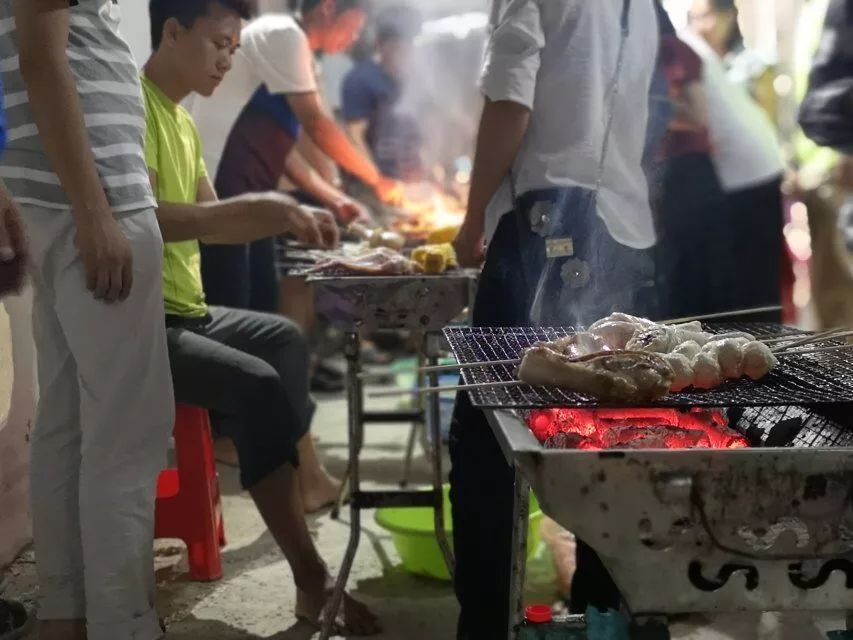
x=15 y=622
x=324 y=382
x=331 y=369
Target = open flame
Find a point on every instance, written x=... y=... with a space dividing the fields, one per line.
x=427 y=209
x=597 y=429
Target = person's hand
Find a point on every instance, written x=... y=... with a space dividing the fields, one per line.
x=844 y=173
x=14 y=253
x=390 y=191
x=791 y=185
x=348 y=211
x=470 y=246
x=330 y=234
x=289 y=217
x=106 y=255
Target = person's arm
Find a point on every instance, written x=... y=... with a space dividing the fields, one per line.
x=43 y=31
x=242 y=219
x=691 y=108
x=14 y=252
x=765 y=95
x=357 y=130
x=502 y=128
x=306 y=178
x=509 y=86
x=329 y=137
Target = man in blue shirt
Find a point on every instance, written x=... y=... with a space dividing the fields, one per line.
x=371 y=107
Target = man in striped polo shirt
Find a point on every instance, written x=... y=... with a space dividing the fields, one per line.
x=75 y=164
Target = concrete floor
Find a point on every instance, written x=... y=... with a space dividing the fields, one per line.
x=255 y=598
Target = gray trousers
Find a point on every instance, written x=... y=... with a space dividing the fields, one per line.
x=250 y=370
x=102 y=430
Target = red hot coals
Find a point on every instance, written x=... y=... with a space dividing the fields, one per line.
x=598 y=429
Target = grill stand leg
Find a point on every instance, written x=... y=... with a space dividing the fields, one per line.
x=342 y=496
x=432 y=349
x=355 y=397
x=521 y=520
x=417 y=427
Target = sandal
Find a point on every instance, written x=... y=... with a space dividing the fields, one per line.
x=15 y=622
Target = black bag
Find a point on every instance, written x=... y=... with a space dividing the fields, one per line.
x=826 y=114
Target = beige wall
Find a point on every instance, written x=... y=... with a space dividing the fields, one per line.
x=17 y=410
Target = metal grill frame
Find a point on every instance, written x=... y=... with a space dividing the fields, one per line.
x=422 y=303
x=651 y=515
x=816 y=379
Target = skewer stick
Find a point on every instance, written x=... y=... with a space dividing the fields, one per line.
x=457 y=387
x=823 y=336
x=512 y=383
x=805 y=352
x=724 y=314
x=374 y=373
x=790 y=336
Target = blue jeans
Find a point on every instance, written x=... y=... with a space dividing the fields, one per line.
x=615 y=278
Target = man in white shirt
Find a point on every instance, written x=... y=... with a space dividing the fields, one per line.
x=748 y=160
x=559 y=191
x=277 y=55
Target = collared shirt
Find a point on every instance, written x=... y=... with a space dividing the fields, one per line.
x=559 y=59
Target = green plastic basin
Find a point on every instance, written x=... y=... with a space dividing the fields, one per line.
x=413 y=533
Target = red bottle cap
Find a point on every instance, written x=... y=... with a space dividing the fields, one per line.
x=538 y=614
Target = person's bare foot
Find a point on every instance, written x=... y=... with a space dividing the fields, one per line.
x=225 y=452
x=354 y=619
x=319 y=492
x=62 y=630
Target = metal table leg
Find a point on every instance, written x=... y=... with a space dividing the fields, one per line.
x=521 y=523
x=352 y=351
x=431 y=349
x=416 y=428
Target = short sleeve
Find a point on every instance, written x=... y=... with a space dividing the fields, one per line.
x=152 y=143
x=280 y=54
x=200 y=166
x=357 y=101
x=513 y=54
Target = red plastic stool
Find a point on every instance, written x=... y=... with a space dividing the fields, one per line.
x=188 y=503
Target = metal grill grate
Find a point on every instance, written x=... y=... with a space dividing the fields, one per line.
x=797 y=427
x=340 y=273
x=823 y=378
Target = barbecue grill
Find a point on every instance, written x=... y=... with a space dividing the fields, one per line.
x=417 y=303
x=423 y=305
x=700 y=530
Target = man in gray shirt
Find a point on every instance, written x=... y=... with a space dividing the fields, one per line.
x=75 y=164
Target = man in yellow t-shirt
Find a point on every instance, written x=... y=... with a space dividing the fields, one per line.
x=249 y=369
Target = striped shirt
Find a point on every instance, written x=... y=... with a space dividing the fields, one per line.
x=108 y=84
